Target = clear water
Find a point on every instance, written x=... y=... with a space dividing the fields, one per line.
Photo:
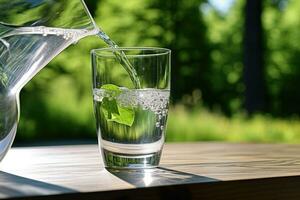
x=24 y=51
x=140 y=143
x=121 y=57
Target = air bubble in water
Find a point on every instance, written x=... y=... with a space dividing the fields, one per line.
x=147 y=99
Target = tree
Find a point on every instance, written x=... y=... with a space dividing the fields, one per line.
x=255 y=94
x=281 y=26
x=224 y=77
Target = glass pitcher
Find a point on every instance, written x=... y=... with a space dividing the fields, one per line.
x=32 y=33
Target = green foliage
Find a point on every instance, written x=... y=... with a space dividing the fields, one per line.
x=207 y=57
x=198 y=124
x=225 y=35
x=282 y=56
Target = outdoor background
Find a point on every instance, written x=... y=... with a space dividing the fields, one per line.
x=235 y=71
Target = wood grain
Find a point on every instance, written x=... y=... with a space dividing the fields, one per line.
x=189 y=170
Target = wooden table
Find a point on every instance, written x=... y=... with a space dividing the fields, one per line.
x=188 y=170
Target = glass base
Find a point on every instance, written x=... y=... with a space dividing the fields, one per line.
x=126 y=161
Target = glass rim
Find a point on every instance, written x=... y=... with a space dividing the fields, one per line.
x=108 y=51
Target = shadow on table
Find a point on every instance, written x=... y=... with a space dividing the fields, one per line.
x=16 y=186
x=158 y=176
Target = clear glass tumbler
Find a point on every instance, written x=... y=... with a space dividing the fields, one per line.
x=131 y=121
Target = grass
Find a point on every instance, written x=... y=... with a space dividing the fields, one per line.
x=188 y=121
x=198 y=124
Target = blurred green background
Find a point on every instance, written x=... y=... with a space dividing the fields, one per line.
x=208 y=89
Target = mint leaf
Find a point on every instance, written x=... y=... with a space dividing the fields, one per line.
x=110 y=107
x=126 y=116
x=112 y=110
x=113 y=90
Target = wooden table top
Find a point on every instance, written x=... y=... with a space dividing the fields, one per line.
x=188 y=170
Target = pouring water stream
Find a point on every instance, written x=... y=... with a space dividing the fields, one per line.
x=24 y=51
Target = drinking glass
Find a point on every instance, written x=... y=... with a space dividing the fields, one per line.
x=131 y=122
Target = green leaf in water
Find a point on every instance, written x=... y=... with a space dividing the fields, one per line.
x=112 y=110
x=126 y=116
x=113 y=90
